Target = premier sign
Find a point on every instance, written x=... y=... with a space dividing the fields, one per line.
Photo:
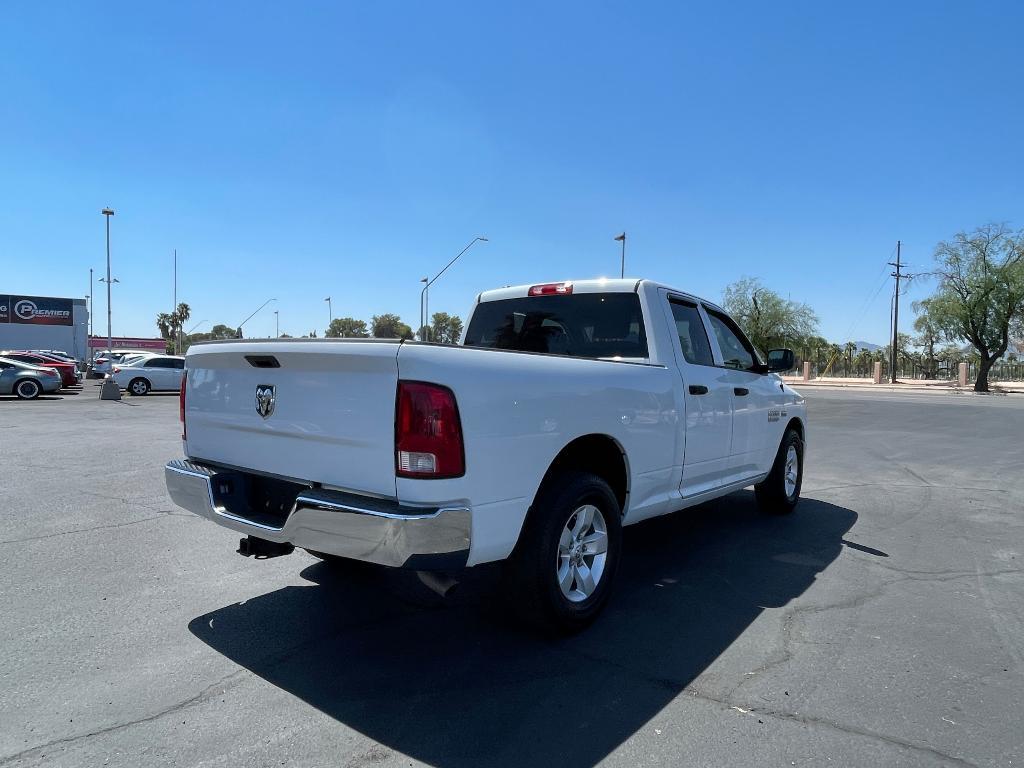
x=35 y=310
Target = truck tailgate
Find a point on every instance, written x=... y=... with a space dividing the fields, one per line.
x=333 y=414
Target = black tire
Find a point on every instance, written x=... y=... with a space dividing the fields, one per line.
x=772 y=493
x=532 y=570
x=27 y=389
x=139 y=386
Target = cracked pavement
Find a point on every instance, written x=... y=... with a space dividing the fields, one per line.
x=881 y=624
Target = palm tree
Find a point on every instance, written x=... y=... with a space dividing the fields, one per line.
x=165 y=323
x=851 y=349
x=864 y=361
x=180 y=316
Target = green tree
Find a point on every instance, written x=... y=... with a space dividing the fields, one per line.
x=902 y=350
x=445 y=328
x=219 y=331
x=164 y=323
x=929 y=336
x=347 y=327
x=864 y=362
x=851 y=349
x=170 y=324
x=980 y=298
x=767 y=318
x=389 y=326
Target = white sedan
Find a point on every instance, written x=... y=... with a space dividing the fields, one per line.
x=153 y=373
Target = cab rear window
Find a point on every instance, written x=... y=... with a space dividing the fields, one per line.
x=579 y=325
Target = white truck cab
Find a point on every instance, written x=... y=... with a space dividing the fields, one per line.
x=567 y=411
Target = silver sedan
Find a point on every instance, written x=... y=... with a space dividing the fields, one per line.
x=26 y=381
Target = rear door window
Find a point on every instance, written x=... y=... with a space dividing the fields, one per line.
x=693 y=337
x=578 y=325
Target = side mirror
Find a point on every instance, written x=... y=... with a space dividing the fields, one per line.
x=781 y=360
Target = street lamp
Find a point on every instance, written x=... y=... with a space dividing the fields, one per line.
x=622 y=239
x=90 y=301
x=277 y=324
x=250 y=317
x=430 y=282
x=425 y=281
x=330 y=313
x=107 y=213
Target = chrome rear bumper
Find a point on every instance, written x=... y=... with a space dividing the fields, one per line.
x=358 y=527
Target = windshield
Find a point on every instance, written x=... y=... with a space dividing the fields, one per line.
x=580 y=325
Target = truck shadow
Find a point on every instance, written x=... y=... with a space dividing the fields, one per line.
x=461 y=684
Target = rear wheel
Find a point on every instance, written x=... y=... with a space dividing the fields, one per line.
x=27 y=389
x=779 y=493
x=562 y=569
x=138 y=386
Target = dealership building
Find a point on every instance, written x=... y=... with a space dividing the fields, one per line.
x=44 y=322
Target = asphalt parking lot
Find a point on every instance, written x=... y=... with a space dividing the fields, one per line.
x=881 y=624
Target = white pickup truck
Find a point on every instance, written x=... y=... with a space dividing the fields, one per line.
x=568 y=411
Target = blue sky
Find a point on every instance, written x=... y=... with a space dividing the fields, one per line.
x=300 y=150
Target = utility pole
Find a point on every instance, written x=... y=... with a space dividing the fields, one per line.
x=622 y=239
x=895 y=314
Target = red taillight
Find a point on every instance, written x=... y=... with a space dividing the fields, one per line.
x=428 y=434
x=181 y=403
x=551 y=289
x=100 y=360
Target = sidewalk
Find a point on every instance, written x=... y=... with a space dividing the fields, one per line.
x=938 y=386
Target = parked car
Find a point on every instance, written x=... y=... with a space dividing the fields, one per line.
x=568 y=411
x=25 y=380
x=60 y=357
x=103 y=362
x=68 y=372
x=150 y=373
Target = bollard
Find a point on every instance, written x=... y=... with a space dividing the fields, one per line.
x=110 y=390
x=961 y=377
x=878 y=373
x=807 y=371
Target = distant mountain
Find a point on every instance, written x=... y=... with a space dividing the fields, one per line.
x=867 y=345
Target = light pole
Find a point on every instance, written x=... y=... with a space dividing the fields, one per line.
x=250 y=317
x=426 y=305
x=107 y=213
x=177 y=336
x=277 y=324
x=622 y=239
x=330 y=313
x=423 y=293
x=90 y=301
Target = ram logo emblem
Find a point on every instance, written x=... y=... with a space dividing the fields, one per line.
x=266 y=399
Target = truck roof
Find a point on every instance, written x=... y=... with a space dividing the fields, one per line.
x=598 y=285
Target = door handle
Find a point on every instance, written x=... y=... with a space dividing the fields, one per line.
x=698 y=389
x=740 y=391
